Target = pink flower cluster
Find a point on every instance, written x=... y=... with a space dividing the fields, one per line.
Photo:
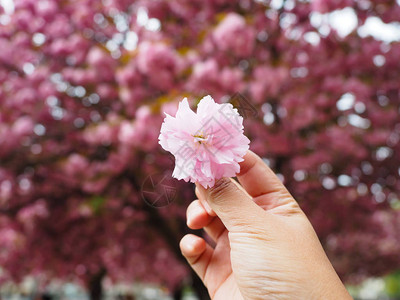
x=80 y=113
x=232 y=34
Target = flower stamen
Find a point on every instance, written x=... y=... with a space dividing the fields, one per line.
x=200 y=138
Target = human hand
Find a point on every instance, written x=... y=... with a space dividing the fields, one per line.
x=265 y=247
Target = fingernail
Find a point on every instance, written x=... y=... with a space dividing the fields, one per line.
x=200 y=188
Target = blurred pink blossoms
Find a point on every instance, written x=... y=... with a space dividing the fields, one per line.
x=207 y=145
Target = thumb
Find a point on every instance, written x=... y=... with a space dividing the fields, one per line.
x=232 y=205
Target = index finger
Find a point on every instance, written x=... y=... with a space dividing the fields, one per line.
x=257 y=178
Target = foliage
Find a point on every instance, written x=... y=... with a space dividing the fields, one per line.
x=392 y=284
x=83 y=85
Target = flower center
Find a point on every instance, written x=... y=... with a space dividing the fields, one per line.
x=200 y=138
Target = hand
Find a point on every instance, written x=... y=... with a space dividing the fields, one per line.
x=265 y=247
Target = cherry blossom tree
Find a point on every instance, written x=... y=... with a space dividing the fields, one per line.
x=83 y=88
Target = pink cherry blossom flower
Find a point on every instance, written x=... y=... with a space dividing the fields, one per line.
x=207 y=145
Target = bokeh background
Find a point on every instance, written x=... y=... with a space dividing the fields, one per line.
x=86 y=196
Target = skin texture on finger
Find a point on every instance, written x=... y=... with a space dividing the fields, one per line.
x=257 y=178
x=261 y=183
x=233 y=206
x=207 y=206
x=231 y=292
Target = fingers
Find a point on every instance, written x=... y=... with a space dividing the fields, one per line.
x=264 y=186
x=242 y=207
x=197 y=252
x=204 y=203
x=196 y=215
x=257 y=178
x=198 y=218
x=232 y=205
x=215 y=229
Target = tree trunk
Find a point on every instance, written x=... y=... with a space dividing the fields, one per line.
x=199 y=287
x=178 y=293
x=95 y=285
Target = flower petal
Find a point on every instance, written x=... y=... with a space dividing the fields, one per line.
x=207 y=145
